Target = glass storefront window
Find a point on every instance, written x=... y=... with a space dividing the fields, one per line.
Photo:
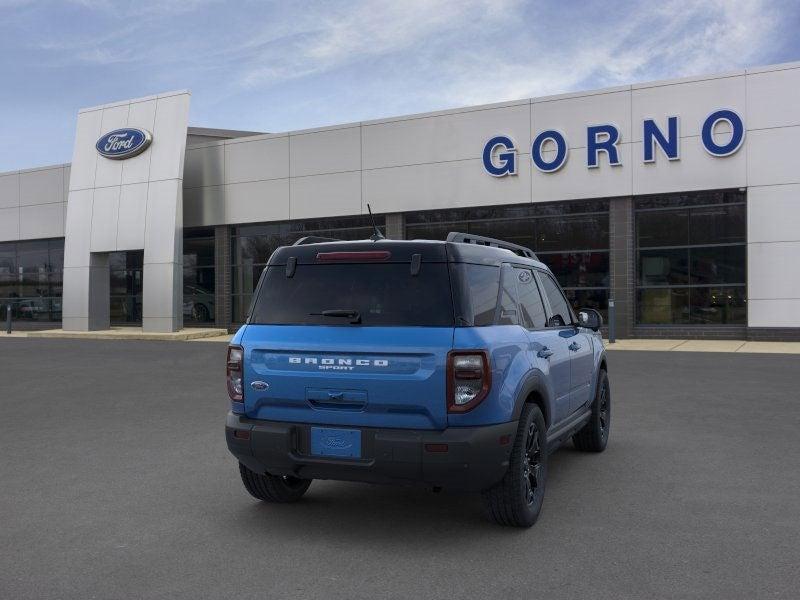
x=662 y=228
x=718 y=305
x=658 y=306
x=691 y=259
x=30 y=279
x=241 y=304
x=199 y=277
x=125 y=270
x=572 y=238
x=668 y=266
x=578 y=269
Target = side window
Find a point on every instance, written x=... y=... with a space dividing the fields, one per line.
x=558 y=304
x=507 y=301
x=530 y=301
x=482 y=284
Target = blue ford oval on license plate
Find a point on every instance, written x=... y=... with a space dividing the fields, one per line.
x=342 y=443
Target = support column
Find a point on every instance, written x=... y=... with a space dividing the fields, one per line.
x=162 y=303
x=86 y=303
x=99 y=292
x=621 y=263
x=222 y=276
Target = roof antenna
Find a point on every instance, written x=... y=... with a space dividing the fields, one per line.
x=377 y=236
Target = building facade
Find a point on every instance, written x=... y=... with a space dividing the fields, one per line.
x=677 y=200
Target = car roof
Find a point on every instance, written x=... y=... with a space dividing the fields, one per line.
x=401 y=251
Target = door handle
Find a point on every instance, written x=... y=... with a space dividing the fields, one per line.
x=544 y=353
x=574 y=346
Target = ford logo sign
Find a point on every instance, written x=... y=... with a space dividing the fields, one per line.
x=123 y=143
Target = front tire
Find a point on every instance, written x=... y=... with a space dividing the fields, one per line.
x=517 y=500
x=272 y=488
x=594 y=435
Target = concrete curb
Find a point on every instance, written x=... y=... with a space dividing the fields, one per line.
x=124 y=333
x=730 y=346
x=222 y=336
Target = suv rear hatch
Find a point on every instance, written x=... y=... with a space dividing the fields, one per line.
x=351 y=334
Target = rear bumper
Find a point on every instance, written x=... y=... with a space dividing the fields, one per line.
x=476 y=457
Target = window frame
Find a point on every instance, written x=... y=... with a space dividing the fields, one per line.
x=542 y=299
x=505 y=270
x=573 y=322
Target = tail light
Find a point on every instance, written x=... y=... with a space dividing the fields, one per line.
x=468 y=379
x=355 y=256
x=234 y=372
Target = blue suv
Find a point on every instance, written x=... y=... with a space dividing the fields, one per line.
x=455 y=364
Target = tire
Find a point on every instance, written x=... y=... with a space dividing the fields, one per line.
x=271 y=488
x=594 y=435
x=517 y=500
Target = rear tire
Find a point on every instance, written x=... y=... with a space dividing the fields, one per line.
x=272 y=488
x=517 y=500
x=594 y=435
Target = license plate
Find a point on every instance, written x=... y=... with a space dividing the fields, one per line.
x=343 y=443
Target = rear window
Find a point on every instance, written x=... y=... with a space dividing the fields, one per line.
x=383 y=295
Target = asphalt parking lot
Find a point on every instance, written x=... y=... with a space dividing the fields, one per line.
x=115 y=482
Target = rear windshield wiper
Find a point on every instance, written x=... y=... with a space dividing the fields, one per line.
x=353 y=315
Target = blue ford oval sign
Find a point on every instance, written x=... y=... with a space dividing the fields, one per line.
x=123 y=143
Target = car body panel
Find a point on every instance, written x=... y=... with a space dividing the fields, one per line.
x=372 y=376
x=555 y=368
x=507 y=346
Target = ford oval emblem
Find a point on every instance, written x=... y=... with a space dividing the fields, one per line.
x=123 y=143
x=338 y=443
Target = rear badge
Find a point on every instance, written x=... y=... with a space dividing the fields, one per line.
x=259 y=385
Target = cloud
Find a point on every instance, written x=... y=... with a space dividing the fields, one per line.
x=275 y=65
x=667 y=41
x=325 y=39
x=473 y=52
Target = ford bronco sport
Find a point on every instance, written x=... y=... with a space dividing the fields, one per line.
x=455 y=364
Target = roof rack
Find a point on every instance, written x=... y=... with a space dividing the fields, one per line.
x=479 y=240
x=313 y=239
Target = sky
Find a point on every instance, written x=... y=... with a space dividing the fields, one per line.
x=284 y=65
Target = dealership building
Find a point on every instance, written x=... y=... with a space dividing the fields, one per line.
x=677 y=200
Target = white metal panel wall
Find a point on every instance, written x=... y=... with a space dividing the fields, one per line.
x=434 y=160
x=773 y=177
x=32 y=203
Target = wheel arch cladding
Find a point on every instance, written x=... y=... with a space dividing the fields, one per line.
x=536 y=398
x=534 y=391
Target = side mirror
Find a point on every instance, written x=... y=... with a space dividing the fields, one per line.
x=590 y=318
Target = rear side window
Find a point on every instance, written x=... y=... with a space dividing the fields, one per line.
x=558 y=304
x=530 y=300
x=477 y=292
x=508 y=297
x=383 y=294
